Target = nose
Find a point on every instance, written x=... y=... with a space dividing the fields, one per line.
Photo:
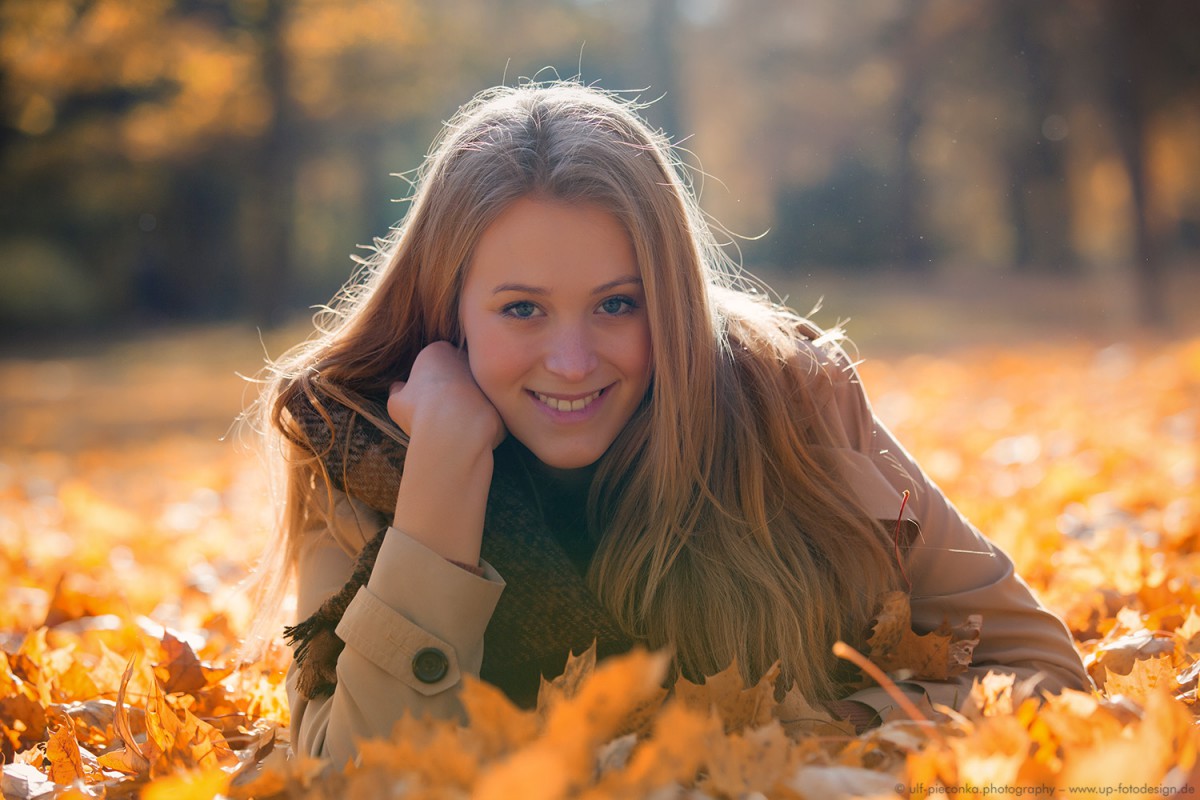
x=571 y=354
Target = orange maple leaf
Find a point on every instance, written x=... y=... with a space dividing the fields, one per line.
x=62 y=750
x=566 y=685
x=170 y=742
x=753 y=761
x=496 y=722
x=1120 y=654
x=578 y=670
x=677 y=747
x=183 y=671
x=937 y=655
x=799 y=717
x=726 y=693
x=1144 y=678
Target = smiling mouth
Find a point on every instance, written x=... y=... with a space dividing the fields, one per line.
x=568 y=405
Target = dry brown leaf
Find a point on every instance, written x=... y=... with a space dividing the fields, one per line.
x=990 y=696
x=563 y=757
x=129 y=758
x=601 y=707
x=995 y=753
x=566 y=685
x=678 y=746
x=537 y=774
x=498 y=725
x=801 y=718
x=1187 y=635
x=1140 y=753
x=726 y=693
x=170 y=743
x=741 y=764
x=62 y=751
x=10 y=684
x=440 y=756
x=578 y=669
x=276 y=775
x=1187 y=679
x=1121 y=653
x=93 y=721
x=182 y=671
x=75 y=683
x=76 y=597
x=1146 y=677
x=938 y=655
x=22 y=724
x=162 y=725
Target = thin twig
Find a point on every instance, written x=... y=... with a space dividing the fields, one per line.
x=845 y=651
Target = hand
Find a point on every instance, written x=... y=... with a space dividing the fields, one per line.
x=442 y=400
x=452 y=429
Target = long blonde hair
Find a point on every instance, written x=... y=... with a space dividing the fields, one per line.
x=722 y=530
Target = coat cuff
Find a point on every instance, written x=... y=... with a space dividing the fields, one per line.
x=447 y=601
x=391 y=642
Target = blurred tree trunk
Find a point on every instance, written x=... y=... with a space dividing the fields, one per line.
x=1039 y=199
x=270 y=277
x=9 y=201
x=189 y=261
x=912 y=60
x=1128 y=42
x=663 y=58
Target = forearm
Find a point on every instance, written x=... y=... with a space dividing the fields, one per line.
x=443 y=494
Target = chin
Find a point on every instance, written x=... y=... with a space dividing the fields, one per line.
x=567 y=463
x=566 y=460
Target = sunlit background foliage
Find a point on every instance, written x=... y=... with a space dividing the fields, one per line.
x=208 y=159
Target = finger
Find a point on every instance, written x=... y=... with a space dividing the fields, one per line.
x=394 y=403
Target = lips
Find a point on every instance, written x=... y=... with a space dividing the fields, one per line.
x=563 y=404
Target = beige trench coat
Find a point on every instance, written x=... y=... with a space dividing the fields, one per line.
x=415 y=599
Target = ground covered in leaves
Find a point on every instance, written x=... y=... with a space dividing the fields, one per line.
x=128 y=518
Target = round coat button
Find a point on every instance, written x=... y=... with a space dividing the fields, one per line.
x=430 y=665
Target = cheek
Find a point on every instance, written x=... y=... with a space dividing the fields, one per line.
x=481 y=363
x=494 y=365
x=480 y=345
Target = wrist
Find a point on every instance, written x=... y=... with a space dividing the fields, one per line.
x=474 y=569
x=443 y=497
x=450 y=428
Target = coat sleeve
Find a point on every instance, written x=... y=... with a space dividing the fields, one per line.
x=414 y=600
x=954 y=570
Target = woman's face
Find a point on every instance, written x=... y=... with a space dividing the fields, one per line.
x=554 y=317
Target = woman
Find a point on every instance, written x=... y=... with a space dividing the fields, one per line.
x=549 y=415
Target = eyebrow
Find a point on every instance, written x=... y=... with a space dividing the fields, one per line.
x=542 y=292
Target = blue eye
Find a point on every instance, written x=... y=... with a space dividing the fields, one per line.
x=522 y=309
x=617 y=305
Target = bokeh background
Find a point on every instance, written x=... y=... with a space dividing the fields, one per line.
x=1002 y=197
x=938 y=171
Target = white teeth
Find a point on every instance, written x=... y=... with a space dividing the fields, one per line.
x=567 y=405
